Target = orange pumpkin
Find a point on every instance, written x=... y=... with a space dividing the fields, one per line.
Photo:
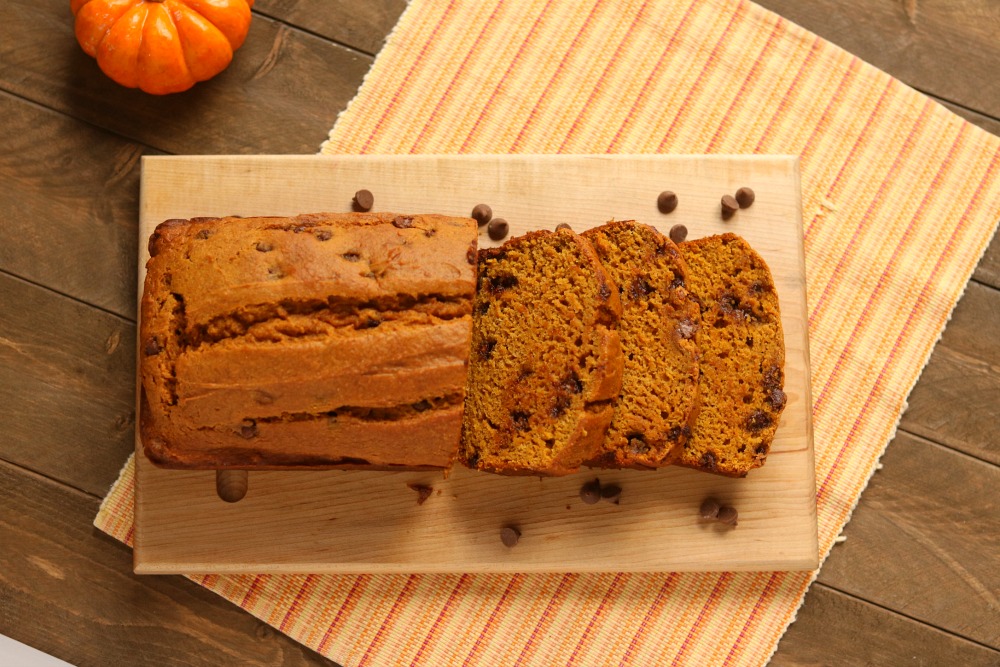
x=161 y=46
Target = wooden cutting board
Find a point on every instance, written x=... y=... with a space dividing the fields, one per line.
x=354 y=522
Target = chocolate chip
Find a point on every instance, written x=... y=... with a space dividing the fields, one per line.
x=686 y=329
x=709 y=510
x=422 y=406
x=521 y=421
x=501 y=283
x=509 y=536
x=263 y=246
x=368 y=323
x=324 y=235
x=678 y=233
x=203 y=234
x=563 y=225
x=777 y=399
x=728 y=515
x=249 y=429
x=637 y=445
x=152 y=347
x=562 y=404
x=572 y=384
x=423 y=491
x=402 y=222
x=745 y=197
x=758 y=421
x=482 y=214
x=363 y=201
x=485 y=349
x=707 y=461
x=639 y=288
x=612 y=493
x=298 y=229
x=666 y=202
x=498 y=229
x=590 y=492
x=604 y=290
x=351 y=256
x=729 y=206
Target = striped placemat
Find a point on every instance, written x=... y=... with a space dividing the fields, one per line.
x=901 y=197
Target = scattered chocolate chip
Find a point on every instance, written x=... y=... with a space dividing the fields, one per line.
x=559 y=408
x=430 y=232
x=677 y=282
x=590 y=492
x=604 y=290
x=612 y=493
x=727 y=515
x=639 y=288
x=263 y=246
x=729 y=206
x=298 y=229
x=249 y=429
x=152 y=347
x=745 y=197
x=423 y=406
x=498 y=229
x=351 y=256
x=402 y=222
x=482 y=214
x=709 y=510
x=509 y=536
x=572 y=384
x=563 y=225
x=666 y=202
x=324 y=235
x=423 y=491
x=686 y=329
x=363 y=201
x=203 y=234
x=637 y=445
x=678 y=233
x=501 y=283
x=707 y=461
x=368 y=323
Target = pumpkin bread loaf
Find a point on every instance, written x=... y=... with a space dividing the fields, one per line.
x=326 y=340
x=742 y=356
x=546 y=360
x=659 y=397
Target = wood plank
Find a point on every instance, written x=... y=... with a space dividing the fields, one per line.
x=944 y=47
x=284 y=524
x=830 y=623
x=360 y=25
x=955 y=402
x=70 y=205
x=988 y=271
x=66 y=387
x=281 y=94
x=68 y=590
x=923 y=540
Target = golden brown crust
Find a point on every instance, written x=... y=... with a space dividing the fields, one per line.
x=324 y=340
x=546 y=356
x=659 y=397
x=742 y=356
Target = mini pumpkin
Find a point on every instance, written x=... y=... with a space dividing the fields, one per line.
x=161 y=46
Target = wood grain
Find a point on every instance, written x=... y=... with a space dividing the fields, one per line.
x=69 y=591
x=69 y=207
x=835 y=628
x=280 y=95
x=925 y=540
x=360 y=25
x=340 y=521
x=66 y=374
x=945 y=47
x=955 y=402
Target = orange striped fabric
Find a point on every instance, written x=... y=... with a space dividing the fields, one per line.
x=901 y=197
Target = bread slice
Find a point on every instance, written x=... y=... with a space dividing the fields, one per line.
x=742 y=356
x=546 y=359
x=659 y=398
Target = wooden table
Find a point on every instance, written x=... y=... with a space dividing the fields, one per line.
x=912 y=579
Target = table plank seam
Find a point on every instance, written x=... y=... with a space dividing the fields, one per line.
x=43 y=478
x=941 y=445
x=995 y=649
x=325 y=38
x=942 y=100
x=125 y=319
